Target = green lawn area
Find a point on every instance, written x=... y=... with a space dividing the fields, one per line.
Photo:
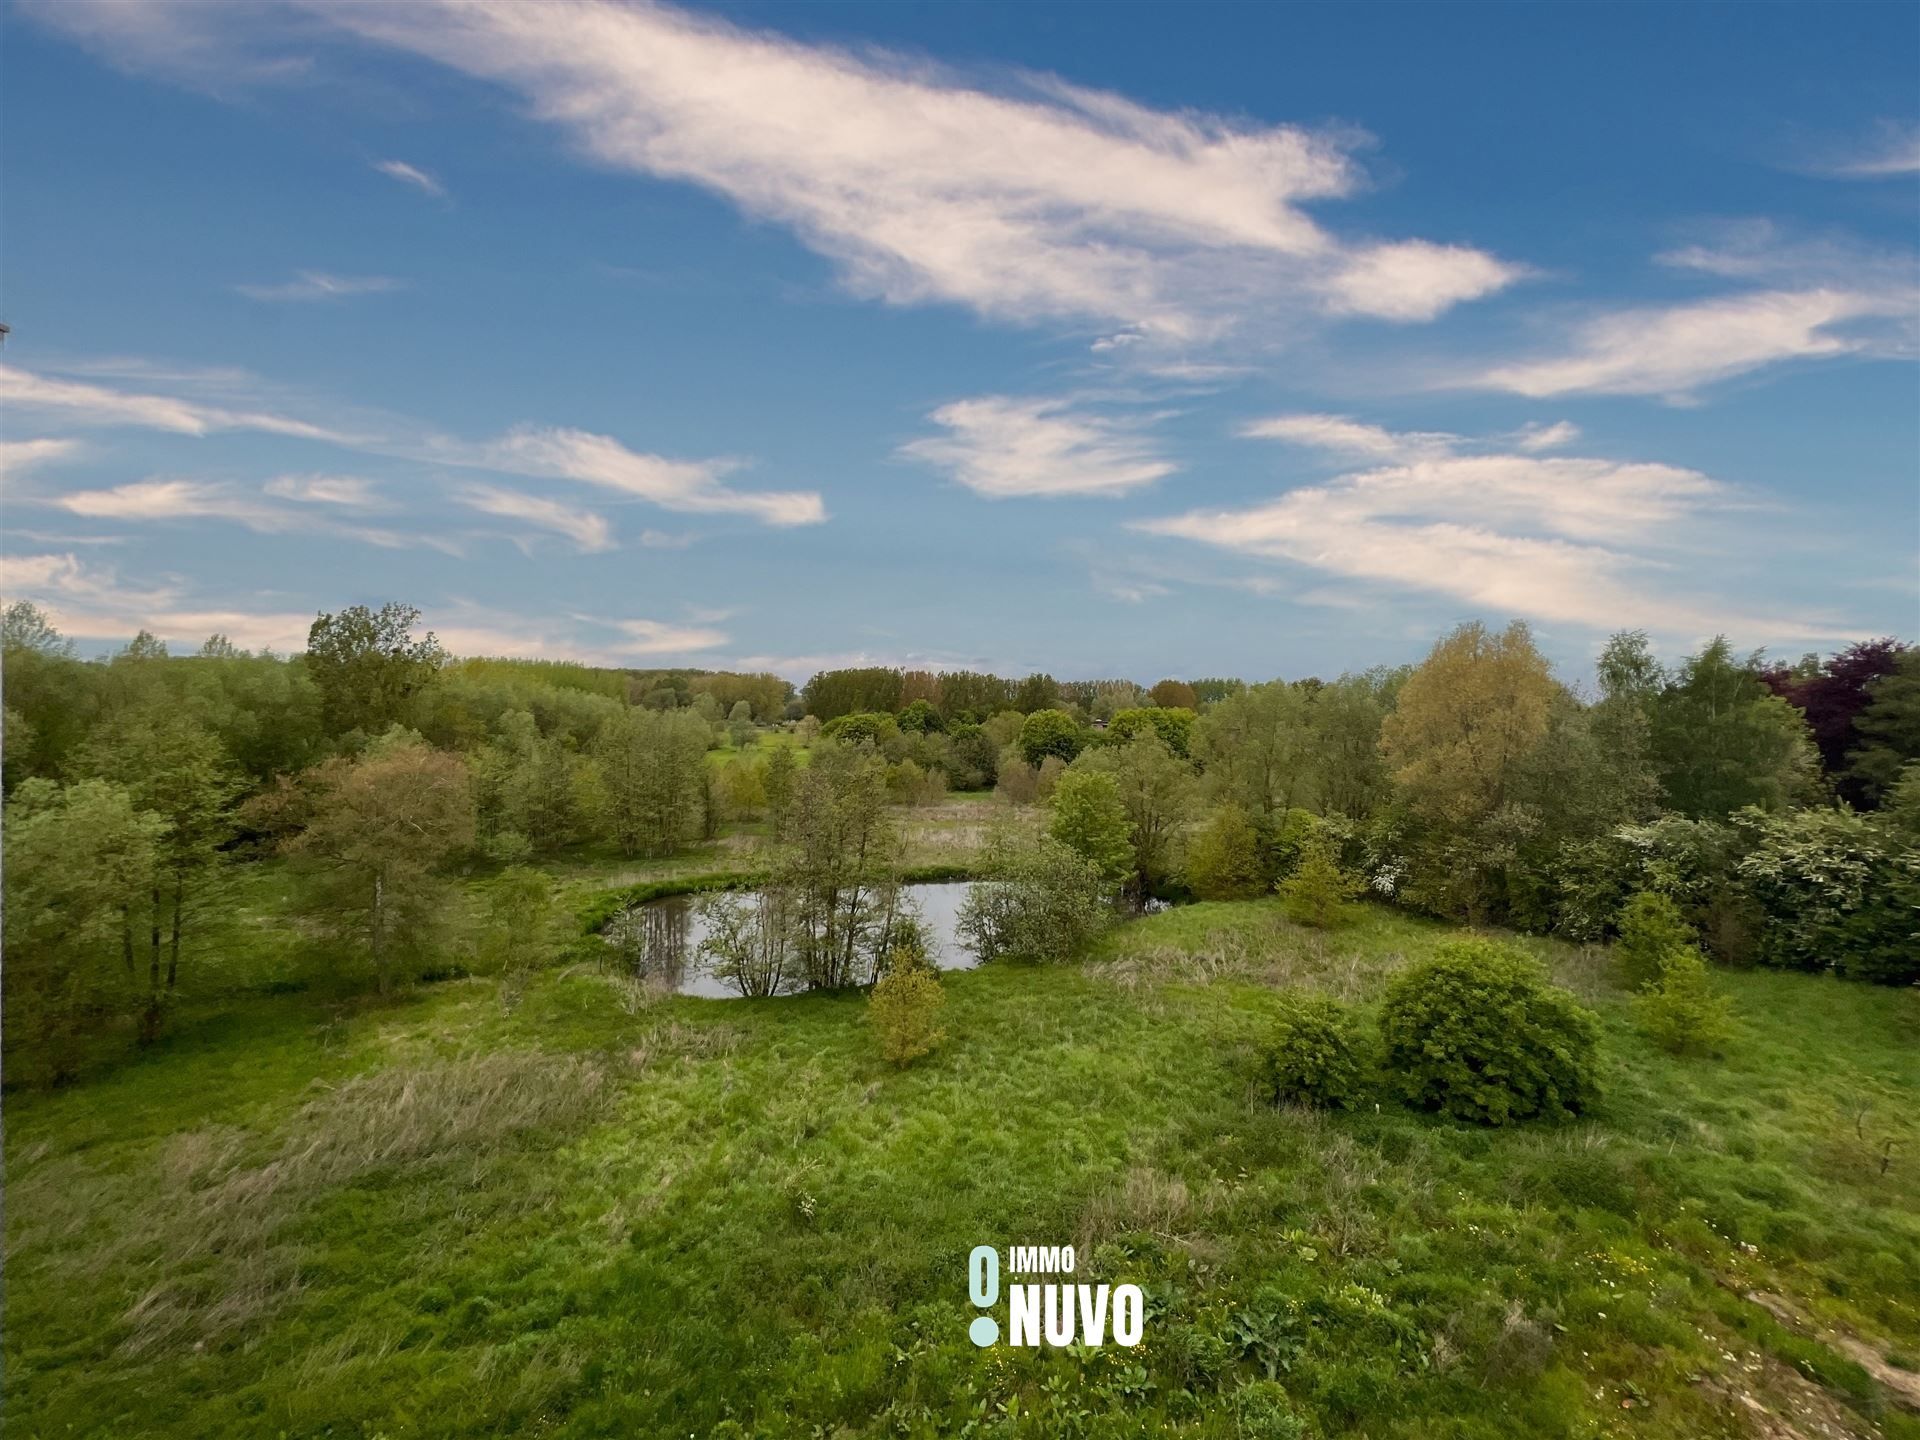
x=602 y=1215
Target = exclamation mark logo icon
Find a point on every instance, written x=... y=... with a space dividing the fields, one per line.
x=983 y=1288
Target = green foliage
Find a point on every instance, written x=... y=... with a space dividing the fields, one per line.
x=1223 y=859
x=521 y=936
x=1174 y=726
x=653 y=770
x=1478 y=1034
x=1159 y=792
x=1839 y=892
x=1039 y=900
x=1090 y=819
x=1652 y=932
x=81 y=861
x=1681 y=1011
x=904 y=1008
x=840 y=870
x=865 y=727
x=1888 y=728
x=918 y=717
x=1263 y=1411
x=1720 y=741
x=833 y=693
x=1319 y=893
x=1050 y=732
x=367 y=665
x=377 y=831
x=1314 y=1054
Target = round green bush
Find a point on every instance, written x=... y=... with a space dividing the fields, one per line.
x=1477 y=1033
x=1313 y=1055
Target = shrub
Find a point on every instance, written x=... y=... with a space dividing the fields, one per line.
x=1050 y=732
x=1319 y=893
x=1477 y=1033
x=1040 y=901
x=1262 y=1411
x=1838 y=891
x=902 y=1008
x=1016 y=782
x=1681 y=1011
x=1223 y=860
x=1313 y=1054
x=1651 y=930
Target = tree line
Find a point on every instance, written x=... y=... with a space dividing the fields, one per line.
x=1775 y=804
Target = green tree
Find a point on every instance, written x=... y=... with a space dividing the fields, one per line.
x=1090 y=819
x=1050 y=732
x=379 y=831
x=1223 y=858
x=1319 y=893
x=520 y=936
x=653 y=770
x=1173 y=726
x=80 y=860
x=1721 y=741
x=841 y=869
x=779 y=786
x=1159 y=792
x=1888 y=728
x=1259 y=751
x=1466 y=719
x=1681 y=1011
x=174 y=767
x=904 y=1008
x=367 y=665
x=1652 y=931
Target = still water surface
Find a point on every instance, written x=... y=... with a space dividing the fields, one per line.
x=661 y=939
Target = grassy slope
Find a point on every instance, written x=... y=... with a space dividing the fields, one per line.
x=598 y=1216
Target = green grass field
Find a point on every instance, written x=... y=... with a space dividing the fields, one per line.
x=604 y=1214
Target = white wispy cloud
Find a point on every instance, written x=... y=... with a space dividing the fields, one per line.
x=531 y=451
x=1546 y=437
x=1892 y=153
x=350 y=492
x=1030 y=200
x=19 y=456
x=1674 y=351
x=1583 y=541
x=1343 y=435
x=411 y=175
x=81 y=403
x=164 y=499
x=660 y=637
x=692 y=486
x=587 y=530
x=91 y=603
x=1002 y=447
x=319 y=285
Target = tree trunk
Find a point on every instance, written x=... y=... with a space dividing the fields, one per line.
x=153 y=932
x=173 y=954
x=379 y=920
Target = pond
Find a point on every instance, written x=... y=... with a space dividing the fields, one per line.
x=661 y=939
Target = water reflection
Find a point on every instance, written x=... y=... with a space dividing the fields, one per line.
x=661 y=939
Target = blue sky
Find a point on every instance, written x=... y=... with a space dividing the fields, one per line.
x=1107 y=340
